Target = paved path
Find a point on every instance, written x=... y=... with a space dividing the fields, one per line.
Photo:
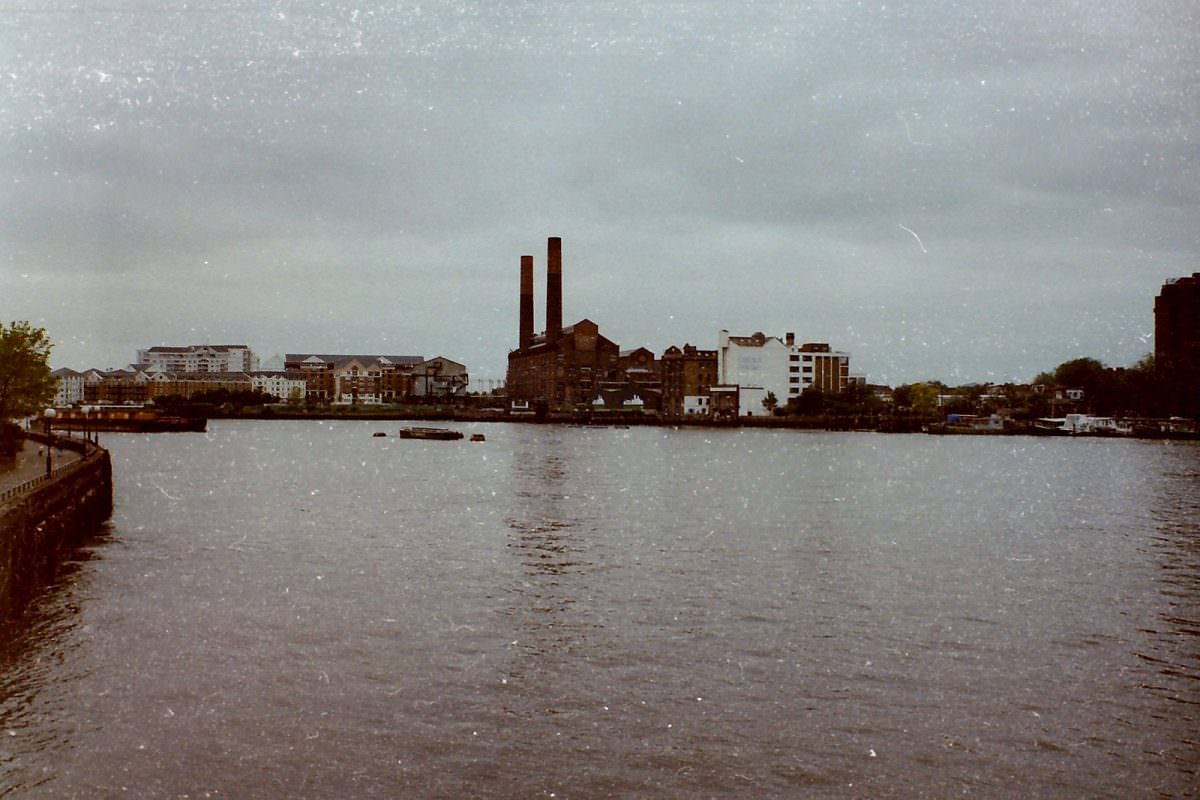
x=30 y=463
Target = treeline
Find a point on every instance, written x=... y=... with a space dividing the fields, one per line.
x=203 y=403
x=1138 y=391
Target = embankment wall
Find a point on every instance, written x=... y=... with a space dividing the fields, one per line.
x=39 y=521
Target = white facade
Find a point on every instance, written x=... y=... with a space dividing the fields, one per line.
x=70 y=388
x=757 y=364
x=287 y=389
x=696 y=404
x=750 y=401
x=200 y=358
x=761 y=365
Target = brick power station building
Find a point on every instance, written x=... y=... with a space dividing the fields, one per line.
x=562 y=367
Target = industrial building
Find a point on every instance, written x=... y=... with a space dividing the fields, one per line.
x=762 y=367
x=562 y=367
x=688 y=375
x=1177 y=342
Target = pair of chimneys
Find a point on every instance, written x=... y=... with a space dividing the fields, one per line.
x=553 y=293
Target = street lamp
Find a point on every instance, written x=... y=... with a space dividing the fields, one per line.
x=87 y=424
x=48 y=416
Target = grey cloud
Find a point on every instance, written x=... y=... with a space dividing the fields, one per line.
x=356 y=170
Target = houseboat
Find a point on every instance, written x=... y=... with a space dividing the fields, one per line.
x=442 y=434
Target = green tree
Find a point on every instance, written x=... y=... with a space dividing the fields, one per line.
x=920 y=398
x=26 y=385
x=770 y=402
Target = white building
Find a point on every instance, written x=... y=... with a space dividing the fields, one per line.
x=761 y=366
x=757 y=365
x=288 y=388
x=199 y=358
x=70 y=387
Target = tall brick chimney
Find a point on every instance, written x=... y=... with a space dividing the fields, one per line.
x=526 y=337
x=554 y=320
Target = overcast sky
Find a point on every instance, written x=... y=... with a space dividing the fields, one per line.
x=968 y=191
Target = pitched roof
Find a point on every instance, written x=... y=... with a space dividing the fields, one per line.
x=337 y=359
x=220 y=348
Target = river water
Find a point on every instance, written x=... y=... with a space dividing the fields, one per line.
x=299 y=609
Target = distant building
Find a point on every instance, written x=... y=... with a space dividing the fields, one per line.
x=116 y=387
x=69 y=387
x=353 y=379
x=688 y=374
x=160 y=383
x=288 y=388
x=199 y=358
x=564 y=367
x=439 y=379
x=757 y=365
x=820 y=366
x=762 y=366
x=1177 y=342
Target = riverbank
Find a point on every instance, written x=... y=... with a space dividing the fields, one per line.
x=878 y=423
x=890 y=424
x=42 y=514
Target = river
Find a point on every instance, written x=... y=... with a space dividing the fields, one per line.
x=302 y=610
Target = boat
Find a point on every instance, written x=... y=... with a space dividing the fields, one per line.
x=125 y=419
x=1082 y=425
x=970 y=424
x=478 y=437
x=441 y=434
x=379 y=434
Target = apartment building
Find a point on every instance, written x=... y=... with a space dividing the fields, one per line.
x=199 y=358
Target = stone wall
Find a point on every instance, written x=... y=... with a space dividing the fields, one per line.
x=38 y=524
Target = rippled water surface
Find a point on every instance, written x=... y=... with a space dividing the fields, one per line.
x=298 y=609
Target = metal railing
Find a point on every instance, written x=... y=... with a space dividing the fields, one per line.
x=86 y=451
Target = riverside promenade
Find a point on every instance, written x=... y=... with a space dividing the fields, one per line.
x=30 y=464
x=41 y=515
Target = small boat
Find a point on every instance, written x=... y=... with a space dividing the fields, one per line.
x=478 y=437
x=378 y=434
x=1082 y=425
x=441 y=434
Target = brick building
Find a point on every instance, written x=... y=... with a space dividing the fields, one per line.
x=688 y=374
x=1177 y=342
x=563 y=367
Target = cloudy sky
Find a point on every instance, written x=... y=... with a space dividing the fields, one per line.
x=968 y=191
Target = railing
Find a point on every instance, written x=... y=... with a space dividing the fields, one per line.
x=86 y=450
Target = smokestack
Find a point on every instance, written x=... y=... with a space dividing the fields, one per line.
x=526 y=338
x=554 y=289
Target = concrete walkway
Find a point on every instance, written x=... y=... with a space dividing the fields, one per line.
x=30 y=463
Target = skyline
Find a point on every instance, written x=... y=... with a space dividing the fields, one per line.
x=959 y=193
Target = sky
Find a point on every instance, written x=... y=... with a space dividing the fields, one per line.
x=966 y=190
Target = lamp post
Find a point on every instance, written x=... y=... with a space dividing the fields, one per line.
x=48 y=416
x=87 y=434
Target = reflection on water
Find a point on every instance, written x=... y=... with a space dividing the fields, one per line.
x=1172 y=647
x=549 y=536
x=300 y=610
x=39 y=648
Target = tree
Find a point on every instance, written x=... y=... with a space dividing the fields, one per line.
x=770 y=402
x=26 y=385
x=920 y=398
